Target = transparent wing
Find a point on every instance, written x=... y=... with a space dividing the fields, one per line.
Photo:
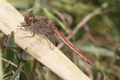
x=26 y=56
x=52 y=40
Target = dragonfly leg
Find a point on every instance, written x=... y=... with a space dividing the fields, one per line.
x=25 y=29
x=29 y=36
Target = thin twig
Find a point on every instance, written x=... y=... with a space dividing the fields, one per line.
x=13 y=64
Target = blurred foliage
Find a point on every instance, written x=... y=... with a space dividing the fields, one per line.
x=98 y=37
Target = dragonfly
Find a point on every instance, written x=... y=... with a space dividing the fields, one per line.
x=43 y=26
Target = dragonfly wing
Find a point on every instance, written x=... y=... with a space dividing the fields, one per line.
x=52 y=40
x=26 y=56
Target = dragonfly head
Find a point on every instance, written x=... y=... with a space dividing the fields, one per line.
x=30 y=19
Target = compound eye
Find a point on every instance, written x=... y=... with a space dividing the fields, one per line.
x=30 y=19
x=25 y=18
x=46 y=19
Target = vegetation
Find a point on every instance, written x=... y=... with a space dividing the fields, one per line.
x=92 y=26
